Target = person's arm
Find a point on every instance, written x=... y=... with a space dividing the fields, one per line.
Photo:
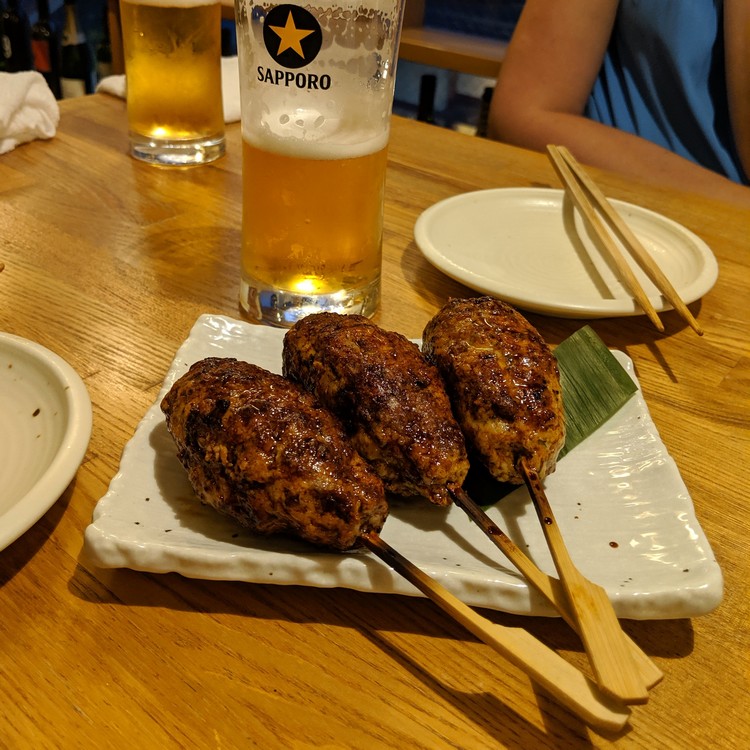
x=545 y=80
x=737 y=37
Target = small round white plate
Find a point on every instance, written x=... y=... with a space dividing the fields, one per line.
x=529 y=247
x=45 y=414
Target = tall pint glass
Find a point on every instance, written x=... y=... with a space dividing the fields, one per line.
x=316 y=85
x=172 y=51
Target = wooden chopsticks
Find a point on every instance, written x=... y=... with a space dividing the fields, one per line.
x=548 y=669
x=589 y=199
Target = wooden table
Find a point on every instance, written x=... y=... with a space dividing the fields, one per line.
x=446 y=48
x=109 y=262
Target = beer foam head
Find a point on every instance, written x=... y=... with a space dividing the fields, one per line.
x=312 y=135
x=330 y=100
x=322 y=150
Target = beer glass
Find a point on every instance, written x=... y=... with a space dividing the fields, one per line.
x=172 y=52
x=316 y=89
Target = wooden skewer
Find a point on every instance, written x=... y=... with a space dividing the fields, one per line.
x=547 y=668
x=550 y=588
x=603 y=638
x=630 y=241
x=577 y=194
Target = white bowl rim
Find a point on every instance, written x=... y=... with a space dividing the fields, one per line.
x=45 y=492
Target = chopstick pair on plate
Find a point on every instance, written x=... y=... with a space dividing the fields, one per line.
x=592 y=203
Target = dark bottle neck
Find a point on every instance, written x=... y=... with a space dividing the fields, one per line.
x=43 y=8
x=70 y=32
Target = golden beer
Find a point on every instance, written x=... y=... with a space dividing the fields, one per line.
x=316 y=84
x=172 y=54
x=311 y=227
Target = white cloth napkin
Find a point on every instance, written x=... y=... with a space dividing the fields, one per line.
x=28 y=109
x=230 y=87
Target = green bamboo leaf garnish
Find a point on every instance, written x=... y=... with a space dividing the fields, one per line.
x=594 y=385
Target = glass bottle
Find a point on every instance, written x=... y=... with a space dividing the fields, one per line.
x=104 y=52
x=76 y=67
x=16 y=40
x=45 y=49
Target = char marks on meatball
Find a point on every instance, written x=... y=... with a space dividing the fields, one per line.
x=258 y=448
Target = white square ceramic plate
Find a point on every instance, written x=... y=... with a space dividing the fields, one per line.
x=619 y=499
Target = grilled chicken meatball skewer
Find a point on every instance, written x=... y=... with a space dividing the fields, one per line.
x=505 y=388
x=375 y=381
x=390 y=399
x=503 y=382
x=385 y=392
x=258 y=448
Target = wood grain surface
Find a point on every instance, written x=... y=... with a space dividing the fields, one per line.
x=109 y=262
